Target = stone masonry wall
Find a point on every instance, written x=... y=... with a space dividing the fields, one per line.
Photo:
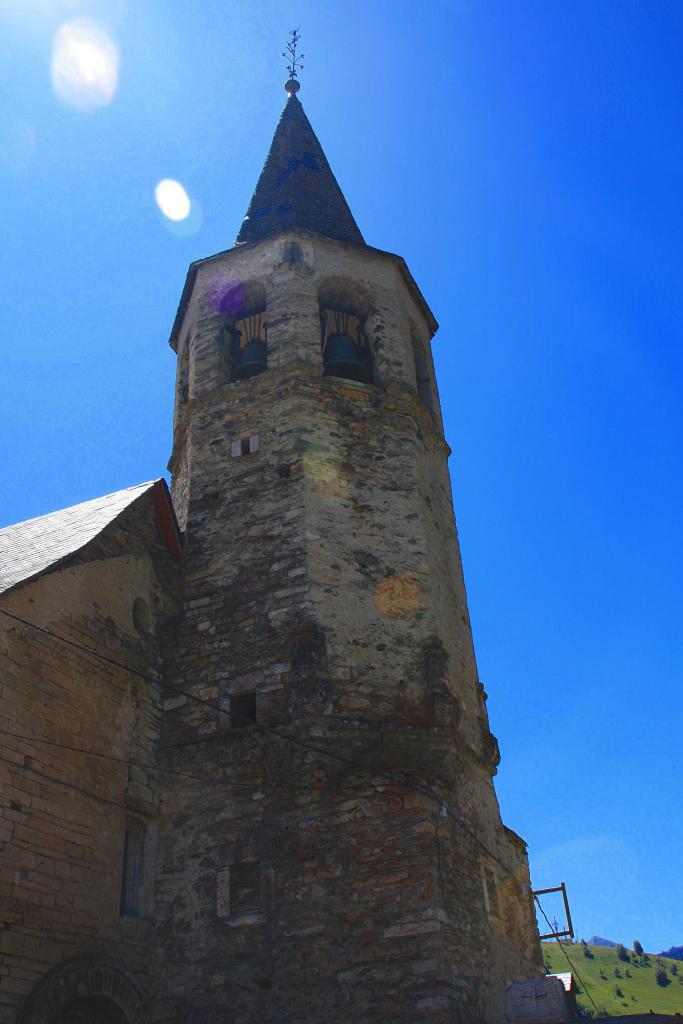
x=322 y=572
x=63 y=812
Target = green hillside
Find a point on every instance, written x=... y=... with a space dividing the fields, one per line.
x=638 y=991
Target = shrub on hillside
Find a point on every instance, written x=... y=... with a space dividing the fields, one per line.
x=621 y=953
x=637 y=948
x=618 y=992
x=673 y=969
x=661 y=976
x=617 y=972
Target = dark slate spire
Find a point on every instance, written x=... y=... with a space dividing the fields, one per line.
x=297 y=188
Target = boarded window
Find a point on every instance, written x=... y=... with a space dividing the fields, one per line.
x=245 y=888
x=132 y=894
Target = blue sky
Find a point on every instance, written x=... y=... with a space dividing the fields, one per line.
x=525 y=157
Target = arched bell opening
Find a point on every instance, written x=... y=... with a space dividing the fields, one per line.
x=344 y=347
x=344 y=304
x=244 y=338
x=92 y=1010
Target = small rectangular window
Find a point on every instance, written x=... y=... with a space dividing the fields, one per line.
x=245 y=445
x=133 y=874
x=242 y=709
x=245 y=888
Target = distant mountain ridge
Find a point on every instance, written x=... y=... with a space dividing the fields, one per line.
x=673 y=953
x=597 y=941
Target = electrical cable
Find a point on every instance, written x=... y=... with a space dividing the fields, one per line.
x=167 y=771
x=424 y=791
x=578 y=976
x=61 y=782
x=169 y=686
x=98 y=796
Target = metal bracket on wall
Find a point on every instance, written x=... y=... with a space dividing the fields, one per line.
x=570 y=930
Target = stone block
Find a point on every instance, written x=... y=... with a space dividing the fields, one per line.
x=538 y=1001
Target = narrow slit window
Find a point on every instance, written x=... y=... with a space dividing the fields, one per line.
x=243 y=709
x=133 y=876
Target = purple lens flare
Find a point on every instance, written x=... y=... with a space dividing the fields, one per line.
x=227 y=295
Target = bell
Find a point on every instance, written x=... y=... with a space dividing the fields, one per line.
x=341 y=359
x=252 y=361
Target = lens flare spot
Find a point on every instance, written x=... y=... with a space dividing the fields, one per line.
x=397 y=596
x=326 y=475
x=85 y=65
x=227 y=295
x=172 y=199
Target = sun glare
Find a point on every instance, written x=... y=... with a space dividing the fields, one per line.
x=172 y=199
x=85 y=65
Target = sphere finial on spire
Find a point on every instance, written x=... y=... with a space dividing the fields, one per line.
x=295 y=62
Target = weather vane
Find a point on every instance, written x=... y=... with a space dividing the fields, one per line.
x=295 y=62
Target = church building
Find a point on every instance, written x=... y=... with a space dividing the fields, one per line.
x=246 y=766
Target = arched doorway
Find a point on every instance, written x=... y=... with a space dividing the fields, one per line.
x=85 y=992
x=95 y=1010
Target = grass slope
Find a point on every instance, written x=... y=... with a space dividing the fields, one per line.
x=640 y=991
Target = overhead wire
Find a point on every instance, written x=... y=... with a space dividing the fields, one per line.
x=165 y=771
x=215 y=706
x=124 y=806
x=356 y=766
x=557 y=939
x=103 y=799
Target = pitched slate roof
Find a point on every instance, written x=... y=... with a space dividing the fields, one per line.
x=30 y=548
x=297 y=188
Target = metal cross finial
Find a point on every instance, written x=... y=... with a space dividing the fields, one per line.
x=295 y=62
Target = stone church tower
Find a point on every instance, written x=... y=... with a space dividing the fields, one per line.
x=246 y=768
x=330 y=847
